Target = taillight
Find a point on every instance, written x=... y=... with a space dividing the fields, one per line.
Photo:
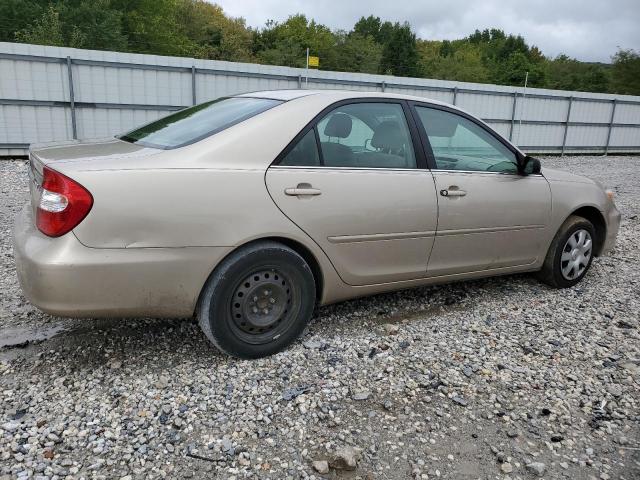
x=63 y=204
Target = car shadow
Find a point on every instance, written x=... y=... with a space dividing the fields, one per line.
x=94 y=343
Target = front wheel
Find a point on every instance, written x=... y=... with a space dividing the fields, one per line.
x=570 y=254
x=257 y=301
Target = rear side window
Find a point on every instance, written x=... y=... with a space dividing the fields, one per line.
x=195 y=123
x=304 y=153
x=366 y=135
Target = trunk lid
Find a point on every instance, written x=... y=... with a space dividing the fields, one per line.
x=74 y=152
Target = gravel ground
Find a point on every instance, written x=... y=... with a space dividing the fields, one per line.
x=483 y=379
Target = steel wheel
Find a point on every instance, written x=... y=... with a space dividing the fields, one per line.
x=576 y=254
x=260 y=306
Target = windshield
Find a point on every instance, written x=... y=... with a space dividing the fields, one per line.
x=195 y=123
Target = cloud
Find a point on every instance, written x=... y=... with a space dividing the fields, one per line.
x=590 y=30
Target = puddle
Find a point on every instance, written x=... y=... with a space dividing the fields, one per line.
x=21 y=337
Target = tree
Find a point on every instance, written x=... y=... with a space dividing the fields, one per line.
x=357 y=53
x=400 y=54
x=286 y=43
x=16 y=16
x=462 y=62
x=625 y=73
x=368 y=27
x=214 y=35
x=92 y=24
x=47 y=30
x=566 y=73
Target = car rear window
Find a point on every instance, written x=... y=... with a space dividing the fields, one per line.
x=195 y=123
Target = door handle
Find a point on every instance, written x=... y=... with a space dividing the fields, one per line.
x=303 y=189
x=452 y=192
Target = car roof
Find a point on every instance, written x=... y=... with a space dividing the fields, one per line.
x=291 y=94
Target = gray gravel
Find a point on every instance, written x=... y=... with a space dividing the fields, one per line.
x=483 y=379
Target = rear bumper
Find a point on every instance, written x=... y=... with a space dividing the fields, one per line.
x=63 y=277
x=613 y=225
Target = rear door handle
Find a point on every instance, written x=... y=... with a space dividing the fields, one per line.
x=303 y=189
x=452 y=193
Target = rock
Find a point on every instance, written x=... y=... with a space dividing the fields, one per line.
x=391 y=328
x=615 y=390
x=345 y=458
x=506 y=467
x=460 y=401
x=537 y=468
x=321 y=466
x=312 y=344
x=360 y=395
x=227 y=446
x=10 y=426
x=115 y=364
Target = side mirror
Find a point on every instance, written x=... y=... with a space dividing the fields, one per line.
x=528 y=165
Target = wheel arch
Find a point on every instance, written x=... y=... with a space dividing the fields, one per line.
x=596 y=218
x=305 y=253
x=295 y=245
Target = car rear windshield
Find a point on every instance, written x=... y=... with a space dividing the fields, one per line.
x=195 y=123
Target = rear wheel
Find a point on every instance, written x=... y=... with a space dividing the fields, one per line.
x=257 y=301
x=570 y=254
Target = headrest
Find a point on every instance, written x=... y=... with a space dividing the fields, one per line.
x=388 y=135
x=339 y=125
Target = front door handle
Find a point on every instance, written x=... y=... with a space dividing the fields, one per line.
x=452 y=192
x=303 y=189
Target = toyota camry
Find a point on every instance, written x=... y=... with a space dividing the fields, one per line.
x=248 y=211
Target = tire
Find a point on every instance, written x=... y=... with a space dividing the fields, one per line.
x=257 y=301
x=567 y=262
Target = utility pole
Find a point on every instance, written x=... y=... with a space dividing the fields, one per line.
x=306 y=80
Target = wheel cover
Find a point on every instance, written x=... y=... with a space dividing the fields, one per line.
x=261 y=306
x=576 y=254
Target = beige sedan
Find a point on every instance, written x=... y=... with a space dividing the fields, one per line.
x=250 y=210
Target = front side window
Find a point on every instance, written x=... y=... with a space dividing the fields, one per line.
x=366 y=135
x=460 y=144
x=195 y=123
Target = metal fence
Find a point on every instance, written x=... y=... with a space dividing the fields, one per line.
x=51 y=93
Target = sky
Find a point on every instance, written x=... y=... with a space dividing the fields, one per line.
x=589 y=30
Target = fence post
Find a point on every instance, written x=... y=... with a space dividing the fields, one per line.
x=383 y=86
x=613 y=113
x=299 y=81
x=513 y=114
x=72 y=102
x=193 y=84
x=566 y=126
x=455 y=94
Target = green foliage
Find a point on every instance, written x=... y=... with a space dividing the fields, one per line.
x=357 y=53
x=400 y=53
x=464 y=64
x=286 y=43
x=199 y=29
x=566 y=73
x=46 y=30
x=625 y=75
x=17 y=16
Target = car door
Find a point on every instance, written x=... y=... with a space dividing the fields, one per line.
x=356 y=183
x=489 y=216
